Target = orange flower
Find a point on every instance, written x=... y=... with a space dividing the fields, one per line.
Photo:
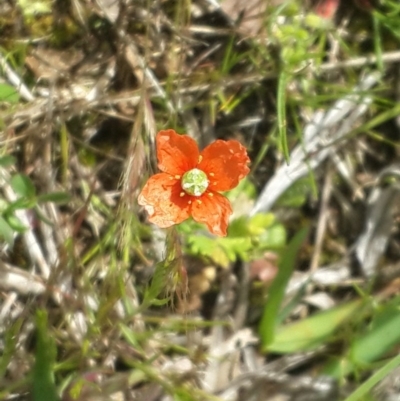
x=190 y=181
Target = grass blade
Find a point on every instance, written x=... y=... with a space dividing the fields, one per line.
x=277 y=291
x=281 y=114
x=366 y=387
x=43 y=377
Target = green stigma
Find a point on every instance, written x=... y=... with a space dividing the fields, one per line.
x=194 y=182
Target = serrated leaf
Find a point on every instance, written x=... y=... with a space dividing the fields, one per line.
x=239 y=227
x=220 y=257
x=237 y=246
x=260 y=222
x=23 y=185
x=272 y=238
x=210 y=248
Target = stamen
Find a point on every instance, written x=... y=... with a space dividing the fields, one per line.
x=182 y=194
x=190 y=202
x=199 y=201
x=178 y=177
x=211 y=174
x=210 y=194
x=195 y=182
x=200 y=159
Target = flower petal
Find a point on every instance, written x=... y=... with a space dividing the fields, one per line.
x=225 y=163
x=162 y=201
x=176 y=153
x=212 y=209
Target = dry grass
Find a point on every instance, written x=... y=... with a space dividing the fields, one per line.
x=95 y=304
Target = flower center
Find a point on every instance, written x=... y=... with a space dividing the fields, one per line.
x=194 y=182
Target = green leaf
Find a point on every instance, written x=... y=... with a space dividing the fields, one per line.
x=6 y=232
x=43 y=376
x=260 y=222
x=367 y=386
x=11 y=339
x=158 y=283
x=209 y=247
x=4 y=205
x=8 y=94
x=130 y=336
x=167 y=276
x=239 y=227
x=7 y=161
x=309 y=333
x=281 y=114
x=382 y=335
x=15 y=223
x=245 y=187
x=277 y=291
x=272 y=238
x=378 y=42
x=32 y=8
x=56 y=197
x=296 y=195
x=235 y=247
x=23 y=185
x=21 y=203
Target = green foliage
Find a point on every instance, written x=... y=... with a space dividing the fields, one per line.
x=45 y=354
x=6 y=231
x=366 y=346
x=298 y=36
x=365 y=388
x=300 y=40
x=23 y=186
x=389 y=17
x=58 y=197
x=7 y=161
x=32 y=8
x=277 y=291
x=281 y=114
x=27 y=198
x=309 y=333
x=296 y=195
x=169 y=275
x=372 y=343
x=213 y=73
x=247 y=237
x=8 y=94
x=10 y=345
